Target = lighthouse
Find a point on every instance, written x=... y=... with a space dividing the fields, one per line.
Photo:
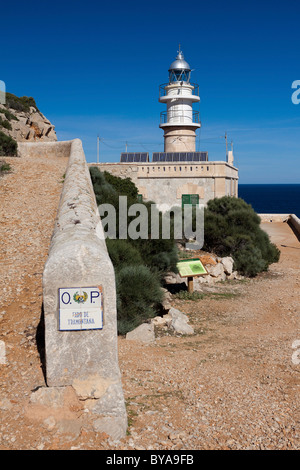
x=179 y=122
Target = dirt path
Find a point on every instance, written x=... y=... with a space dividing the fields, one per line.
x=231 y=385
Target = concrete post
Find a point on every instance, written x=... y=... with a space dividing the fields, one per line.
x=81 y=329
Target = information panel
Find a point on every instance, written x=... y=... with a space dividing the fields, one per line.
x=191 y=267
x=81 y=308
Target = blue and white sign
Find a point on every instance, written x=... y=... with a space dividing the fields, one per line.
x=80 y=308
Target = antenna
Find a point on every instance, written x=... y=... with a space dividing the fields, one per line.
x=98 y=148
x=226 y=146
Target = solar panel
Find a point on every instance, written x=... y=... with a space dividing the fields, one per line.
x=134 y=157
x=180 y=157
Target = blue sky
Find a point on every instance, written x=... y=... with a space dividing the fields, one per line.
x=95 y=68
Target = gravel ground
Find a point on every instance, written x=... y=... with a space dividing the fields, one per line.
x=231 y=385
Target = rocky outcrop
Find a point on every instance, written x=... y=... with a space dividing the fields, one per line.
x=26 y=126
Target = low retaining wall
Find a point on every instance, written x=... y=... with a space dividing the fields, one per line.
x=291 y=219
x=80 y=301
x=295 y=223
x=49 y=149
x=274 y=217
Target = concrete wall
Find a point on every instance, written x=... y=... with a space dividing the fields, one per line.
x=86 y=359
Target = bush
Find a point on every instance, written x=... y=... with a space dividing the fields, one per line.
x=232 y=228
x=124 y=186
x=9 y=116
x=138 y=293
x=8 y=146
x=139 y=264
x=20 y=104
x=6 y=124
x=122 y=253
x=4 y=167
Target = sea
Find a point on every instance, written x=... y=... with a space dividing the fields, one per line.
x=272 y=198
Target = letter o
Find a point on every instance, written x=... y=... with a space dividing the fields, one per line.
x=62 y=298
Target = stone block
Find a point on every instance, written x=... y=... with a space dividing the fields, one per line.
x=217 y=270
x=143 y=333
x=228 y=264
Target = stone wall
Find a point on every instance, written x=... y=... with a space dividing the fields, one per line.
x=291 y=219
x=77 y=356
x=295 y=223
x=164 y=183
x=53 y=149
x=274 y=217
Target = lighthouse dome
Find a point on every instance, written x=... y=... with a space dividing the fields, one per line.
x=179 y=70
x=179 y=63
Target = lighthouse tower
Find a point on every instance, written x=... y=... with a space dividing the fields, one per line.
x=180 y=121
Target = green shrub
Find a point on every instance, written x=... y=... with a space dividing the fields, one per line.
x=6 y=124
x=20 y=104
x=138 y=294
x=232 y=228
x=8 y=146
x=139 y=264
x=4 y=167
x=122 y=253
x=9 y=116
x=185 y=295
x=124 y=186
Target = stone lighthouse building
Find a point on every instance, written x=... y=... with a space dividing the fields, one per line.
x=180 y=175
x=179 y=122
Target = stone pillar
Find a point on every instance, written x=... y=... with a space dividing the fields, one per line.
x=80 y=303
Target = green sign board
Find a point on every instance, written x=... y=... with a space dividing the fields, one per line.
x=191 y=267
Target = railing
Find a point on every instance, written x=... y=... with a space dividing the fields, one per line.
x=163 y=91
x=179 y=117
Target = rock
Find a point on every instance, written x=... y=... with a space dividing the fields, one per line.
x=166 y=299
x=143 y=333
x=159 y=321
x=173 y=278
x=217 y=270
x=53 y=397
x=179 y=322
x=228 y=262
x=235 y=275
x=208 y=260
x=30 y=126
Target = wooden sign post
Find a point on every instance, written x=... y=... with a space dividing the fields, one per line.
x=191 y=268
